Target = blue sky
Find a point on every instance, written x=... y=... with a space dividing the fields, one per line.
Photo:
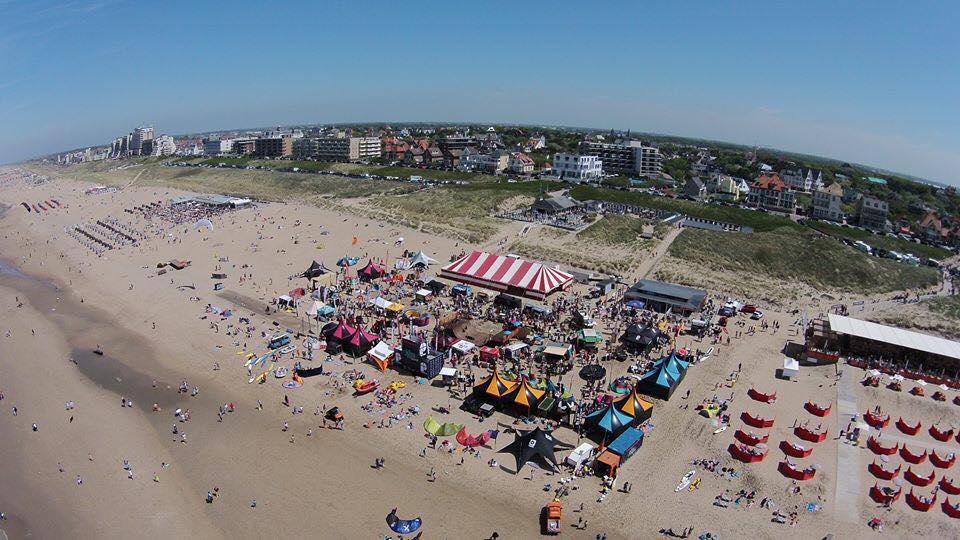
x=872 y=82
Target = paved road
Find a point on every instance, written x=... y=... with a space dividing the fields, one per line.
x=848 y=469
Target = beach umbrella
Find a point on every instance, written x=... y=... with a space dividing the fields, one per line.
x=635 y=304
x=203 y=223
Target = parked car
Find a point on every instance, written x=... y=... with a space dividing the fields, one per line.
x=757 y=315
x=748 y=308
x=727 y=311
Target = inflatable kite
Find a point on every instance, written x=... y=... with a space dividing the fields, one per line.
x=403 y=526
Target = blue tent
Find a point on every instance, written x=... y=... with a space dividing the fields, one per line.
x=664 y=377
x=608 y=420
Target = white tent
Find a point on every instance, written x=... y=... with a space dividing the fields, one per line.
x=463 y=346
x=421 y=259
x=791 y=368
x=382 y=351
x=380 y=302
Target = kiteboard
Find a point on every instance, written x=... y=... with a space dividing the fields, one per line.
x=685 y=482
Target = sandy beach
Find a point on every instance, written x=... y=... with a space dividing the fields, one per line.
x=59 y=302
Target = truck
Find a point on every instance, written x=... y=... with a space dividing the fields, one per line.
x=553 y=517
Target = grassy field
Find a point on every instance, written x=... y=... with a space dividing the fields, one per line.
x=785 y=256
x=881 y=241
x=760 y=221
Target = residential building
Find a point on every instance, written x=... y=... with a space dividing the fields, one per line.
x=695 y=189
x=629 y=157
x=826 y=203
x=217 y=147
x=939 y=229
x=138 y=137
x=451 y=157
x=306 y=148
x=393 y=148
x=577 y=168
x=433 y=156
x=520 y=163
x=458 y=142
x=803 y=179
x=649 y=162
x=414 y=155
x=244 y=147
x=469 y=159
x=274 y=146
x=163 y=145
x=616 y=158
x=492 y=163
x=343 y=148
x=871 y=213
x=770 y=192
x=535 y=143
x=726 y=187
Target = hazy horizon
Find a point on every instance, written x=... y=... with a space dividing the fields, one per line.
x=871 y=85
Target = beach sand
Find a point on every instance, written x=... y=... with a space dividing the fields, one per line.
x=322 y=485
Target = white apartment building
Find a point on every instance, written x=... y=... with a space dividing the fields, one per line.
x=217 y=147
x=826 y=203
x=164 y=145
x=577 y=168
x=338 y=149
x=803 y=179
x=648 y=161
x=137 y=138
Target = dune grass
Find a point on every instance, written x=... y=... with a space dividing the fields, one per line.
x=760 y=221
x=613 y=229
x=787 y=255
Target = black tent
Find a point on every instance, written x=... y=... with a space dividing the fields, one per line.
x=316 y=270
x=641 y=336
x=593 y=372
x=534 y=444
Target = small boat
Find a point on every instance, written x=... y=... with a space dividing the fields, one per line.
x=685 y=482
x=280 y=372
x=361 y=387
x=98 y=351
x=288 y=349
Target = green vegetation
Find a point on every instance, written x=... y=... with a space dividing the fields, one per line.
x=678 y=168
x=760 y=221
x=614 y=230
x=881 y=241
x=786 y=256
x=945 y=306
x=461 y=211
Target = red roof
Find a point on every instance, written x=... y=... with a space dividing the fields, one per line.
x=772 y=182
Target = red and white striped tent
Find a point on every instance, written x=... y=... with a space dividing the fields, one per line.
x=507 y=274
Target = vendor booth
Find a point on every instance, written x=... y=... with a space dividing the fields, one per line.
x=620 y=450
